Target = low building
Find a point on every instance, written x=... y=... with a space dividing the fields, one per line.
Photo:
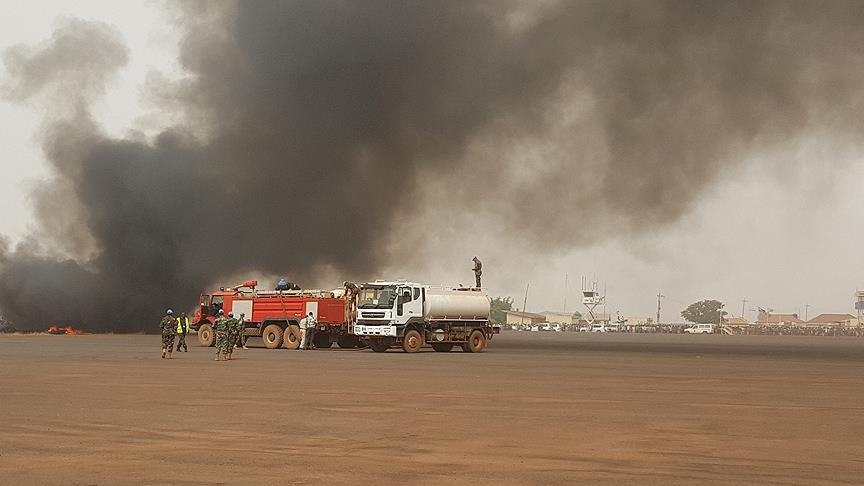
x=558 y=317
x=779 y=320
x=519 y=318
x=736 y=321
x=599 y=318
x=637 y=320
x=834 y=320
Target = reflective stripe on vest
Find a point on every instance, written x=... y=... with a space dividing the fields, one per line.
x=180 y=324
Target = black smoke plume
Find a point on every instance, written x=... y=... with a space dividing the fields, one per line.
x=310 y=128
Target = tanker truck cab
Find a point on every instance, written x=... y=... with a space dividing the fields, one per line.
x=411 y=315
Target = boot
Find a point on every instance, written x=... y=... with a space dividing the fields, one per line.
x=163 y=353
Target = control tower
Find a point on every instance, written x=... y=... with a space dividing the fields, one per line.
x=591 y=298
x=859 y=306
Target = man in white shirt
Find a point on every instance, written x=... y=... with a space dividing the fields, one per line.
x=307 y=331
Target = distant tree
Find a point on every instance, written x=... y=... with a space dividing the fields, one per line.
x=499 y=307
x=704 y=312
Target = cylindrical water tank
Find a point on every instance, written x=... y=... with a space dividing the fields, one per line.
x=456 y=304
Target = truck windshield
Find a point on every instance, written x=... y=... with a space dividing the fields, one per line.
x=376 y=298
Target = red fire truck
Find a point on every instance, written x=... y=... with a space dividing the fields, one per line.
x=275 y=315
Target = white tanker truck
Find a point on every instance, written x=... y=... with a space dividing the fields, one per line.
x=411 y=315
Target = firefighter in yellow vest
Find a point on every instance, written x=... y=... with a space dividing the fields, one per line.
x=182 y=329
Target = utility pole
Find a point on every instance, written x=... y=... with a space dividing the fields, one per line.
x=743 y=305
x=659 y=296
x=524 y=303
x=565 y=293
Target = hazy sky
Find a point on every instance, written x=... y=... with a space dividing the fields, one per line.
x=152 y=46
x=780 y=229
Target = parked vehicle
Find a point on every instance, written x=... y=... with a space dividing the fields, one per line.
x=409 y=315
x=700 y=329
x=275 y=315
x=599 y=328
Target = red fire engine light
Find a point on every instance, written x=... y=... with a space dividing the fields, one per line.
x=250 y=283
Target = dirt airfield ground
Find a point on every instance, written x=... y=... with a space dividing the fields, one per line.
x=536 y=408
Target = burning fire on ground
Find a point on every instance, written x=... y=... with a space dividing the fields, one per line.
x=69 y=330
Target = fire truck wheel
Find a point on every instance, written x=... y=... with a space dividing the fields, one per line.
x=272 y=336
x=476 y=342
x=412 y=342
x=322 y=340
x=442 y=347
x=292 y=337
x=206 y=336
x=378 y=345
x=348 y=341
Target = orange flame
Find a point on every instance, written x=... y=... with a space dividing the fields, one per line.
x=68 y=330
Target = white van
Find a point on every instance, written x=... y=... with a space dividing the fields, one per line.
x=598 y=328
x=700 y=329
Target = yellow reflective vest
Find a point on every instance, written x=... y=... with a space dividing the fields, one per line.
x=182 y=326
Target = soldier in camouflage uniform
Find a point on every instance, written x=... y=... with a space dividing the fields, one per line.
x=221 y=333
x=478 y=270
x=231 y=327
x=238 y=331
x=168 y=329
x=181 y=330
x=230 y=335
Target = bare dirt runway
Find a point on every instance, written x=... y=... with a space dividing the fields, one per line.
x=536 y=408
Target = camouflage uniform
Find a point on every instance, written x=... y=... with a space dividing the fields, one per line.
x=478 y=270
x=221 y=334
x=229 y=335
x=168 y=329
x=239 y=339
x=181 y=330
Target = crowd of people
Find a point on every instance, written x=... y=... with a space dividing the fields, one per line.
x=229 y=333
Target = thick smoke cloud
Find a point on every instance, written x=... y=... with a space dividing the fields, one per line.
x=311 y=128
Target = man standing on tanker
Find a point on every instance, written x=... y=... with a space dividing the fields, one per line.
x=167 y=326
x=478 y=270
x=182 y=329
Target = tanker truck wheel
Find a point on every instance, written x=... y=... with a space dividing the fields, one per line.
x=206 y=336
x=272 y=336
x=476 y=343
x=378 y=345
x=412 y=342
x=292 y=337
x=442 y=347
